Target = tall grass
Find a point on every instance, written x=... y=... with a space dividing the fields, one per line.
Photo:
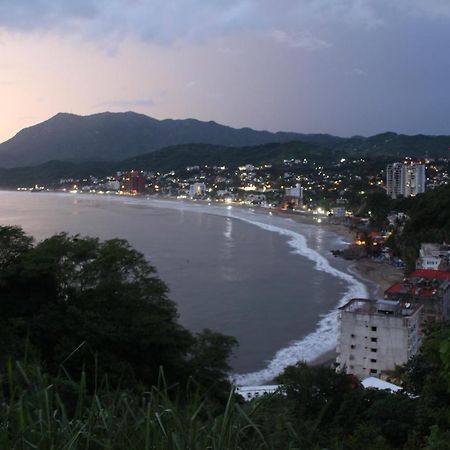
x=41 y=412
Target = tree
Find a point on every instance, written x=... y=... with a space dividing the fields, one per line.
x=13 y=243
x=98 y=306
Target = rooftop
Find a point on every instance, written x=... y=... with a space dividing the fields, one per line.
x=379 y=307
x=430 y=274
x=421 y=283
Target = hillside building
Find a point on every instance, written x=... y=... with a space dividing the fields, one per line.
x=433 y=257
x=376 y=335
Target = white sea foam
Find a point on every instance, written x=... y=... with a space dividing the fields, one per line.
x=323 y=338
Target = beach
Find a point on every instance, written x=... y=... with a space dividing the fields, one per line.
x=229 y=275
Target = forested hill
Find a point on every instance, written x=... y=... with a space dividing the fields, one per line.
x=429 y=221
x=116 y=136
x=171 y=158
x=396 y=145
x=180 y=156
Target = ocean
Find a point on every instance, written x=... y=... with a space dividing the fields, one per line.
x=267 y=280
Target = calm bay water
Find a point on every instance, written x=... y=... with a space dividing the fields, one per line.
x=268 y=281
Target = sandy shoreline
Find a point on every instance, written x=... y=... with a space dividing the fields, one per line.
x=378 y=276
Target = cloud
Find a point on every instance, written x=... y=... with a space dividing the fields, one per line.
x=304 y=40
x=149 y=20
x=166 y=21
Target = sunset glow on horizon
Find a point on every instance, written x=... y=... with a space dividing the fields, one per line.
x=341 y=67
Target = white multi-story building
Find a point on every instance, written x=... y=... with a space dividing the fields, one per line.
x=376 y=335
x=405 y=179
x=413 y=179
x=394 y=180
x=197 y=190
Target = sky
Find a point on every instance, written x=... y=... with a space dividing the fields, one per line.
x=343 y=67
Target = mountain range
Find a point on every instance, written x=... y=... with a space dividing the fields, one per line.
x=115 y=136
x=118 y=136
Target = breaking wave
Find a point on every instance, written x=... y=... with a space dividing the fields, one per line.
x=320 y=341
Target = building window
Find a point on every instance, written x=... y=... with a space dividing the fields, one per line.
x=373 y=339
x=373 y=360
x=352 y=335
x=373 y=350
x=374 y=371
x=351 y=357
x=352 y=346
x=373 y=328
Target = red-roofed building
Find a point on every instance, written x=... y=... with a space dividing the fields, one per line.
x=134 y=183
x=429 y=288
x=431 y=274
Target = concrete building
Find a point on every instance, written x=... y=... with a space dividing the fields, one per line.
x=294 y=195
x=394 y=180
x=433 y=257
x=376 y=335
x=405 y=179
x=197 y=190
x=428 y=288
x=413 y=179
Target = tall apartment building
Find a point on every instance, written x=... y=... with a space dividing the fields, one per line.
x=376 y=335
x=405 y=179
x=394 y=180
x=414 y=179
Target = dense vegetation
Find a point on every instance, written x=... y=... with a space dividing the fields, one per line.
x=165 y=160
x=428 y=221
x=115 y=136
x=92 y=356
x=99 y=307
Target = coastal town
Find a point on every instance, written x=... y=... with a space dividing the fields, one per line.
x=225 y=225
x=375 y=335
